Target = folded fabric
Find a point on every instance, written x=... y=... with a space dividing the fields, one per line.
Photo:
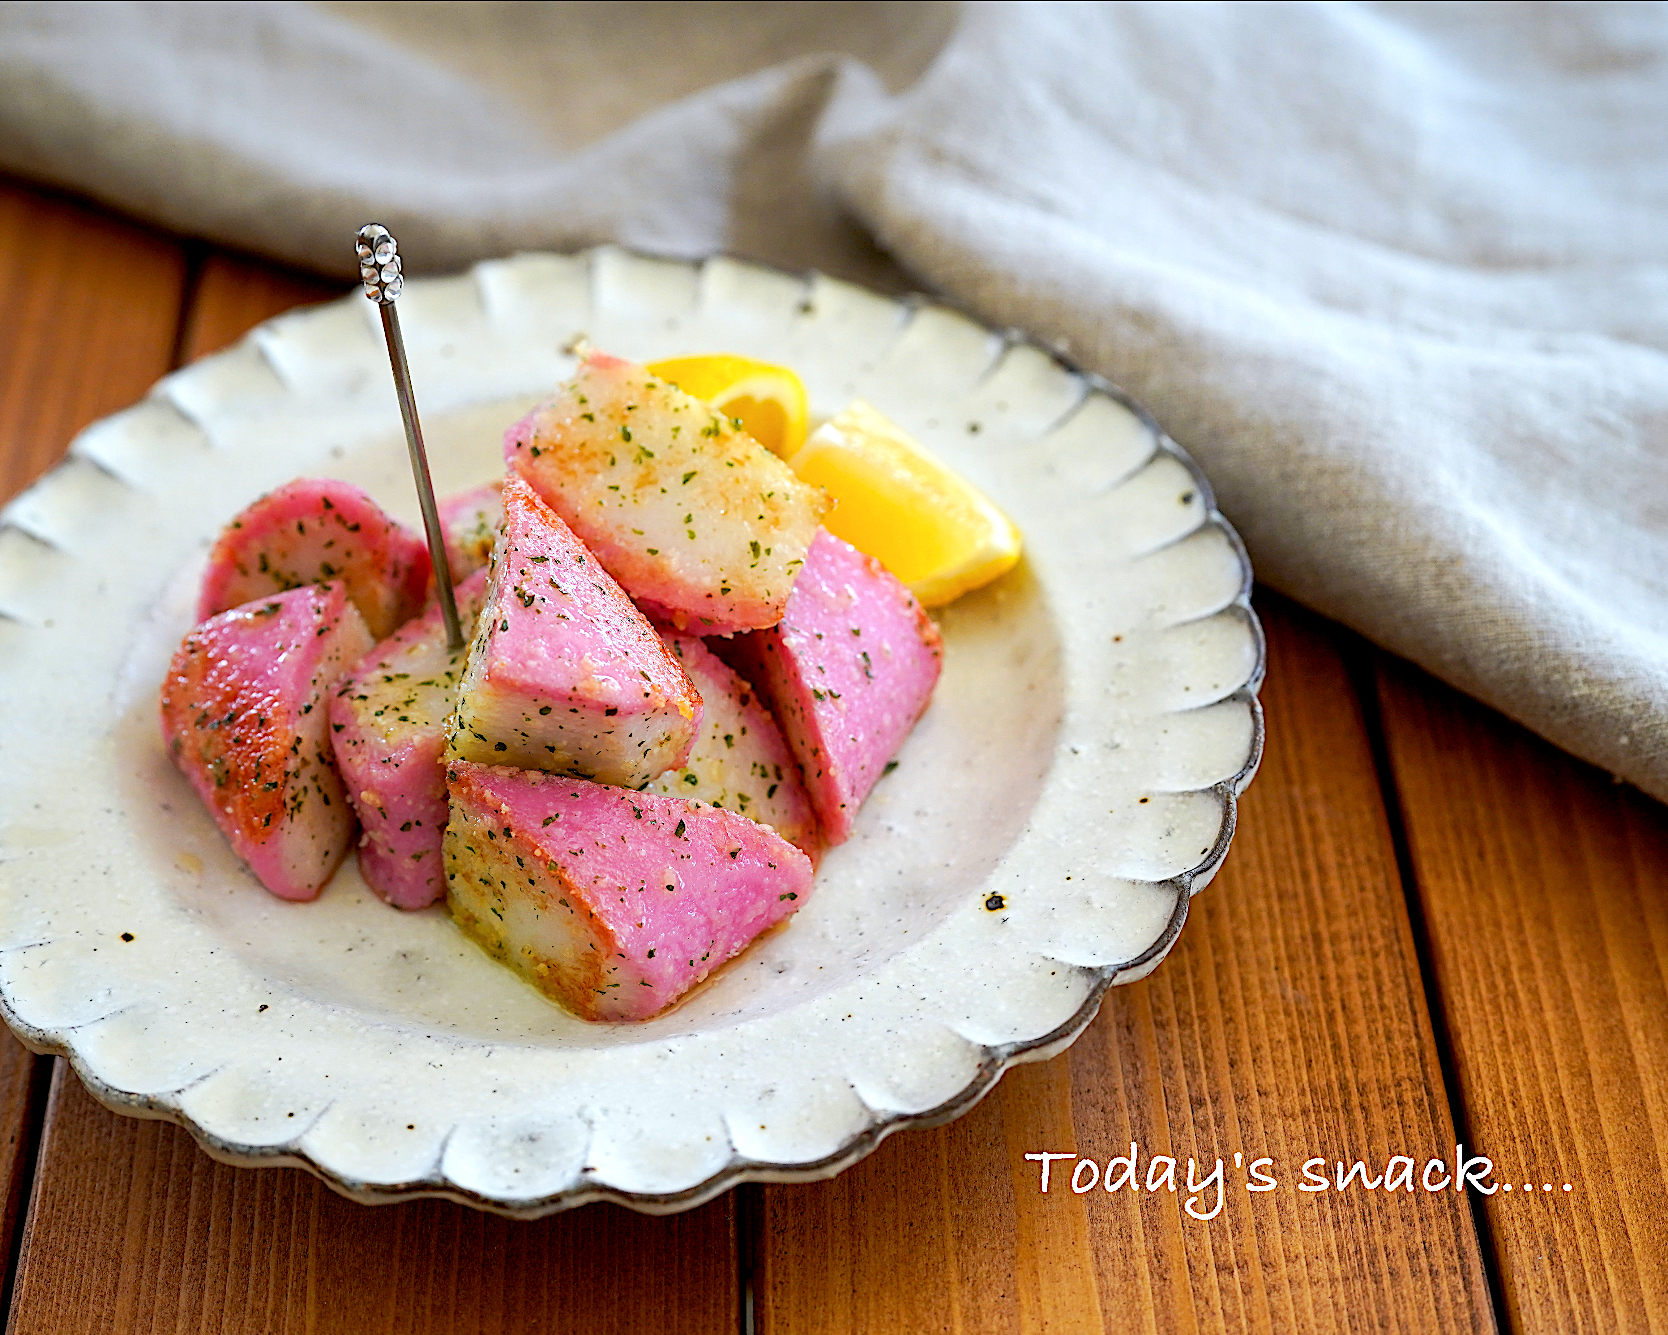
x=1395 y=274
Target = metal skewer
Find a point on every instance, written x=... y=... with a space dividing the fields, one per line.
x=379 y=269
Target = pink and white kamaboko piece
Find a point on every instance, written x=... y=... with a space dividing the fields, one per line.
x=701 y=524
x=848 y=671
x=470 y=522
x=614 y=903
x=740 y=761
x=564 y=673
x=388 y=726
x=244 y=717
x=314 y=530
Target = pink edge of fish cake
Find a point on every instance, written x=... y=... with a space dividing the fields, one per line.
x=611 y=902
x=703 y=527
x=388 y=726
x=565 y=674
x=740 y=761
x=244 y=718
x=312 y=530
x=848 y=672
x=470 y=522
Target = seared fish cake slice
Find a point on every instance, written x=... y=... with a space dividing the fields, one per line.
x=565 y=674
x=388 y=722
x=703 y=527
x=244 y=714
x=847 y=673
x=611 y=902
x=312 y=531
x=740 y=761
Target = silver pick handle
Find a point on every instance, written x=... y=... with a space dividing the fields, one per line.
x=379 y=270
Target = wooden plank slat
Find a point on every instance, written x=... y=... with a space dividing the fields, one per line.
x=1544 y=888
x=1289 y=1022
x=134 y=1229
x=23 y=1082
x=91 y=308
x=234 y=293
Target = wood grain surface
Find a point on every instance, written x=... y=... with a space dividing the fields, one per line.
x=232 y=294
x=134 y=1229
x=91 y=314
x=1545 y=887
x=1300 y=1017
x=1289 y=1022
x=24 y=1079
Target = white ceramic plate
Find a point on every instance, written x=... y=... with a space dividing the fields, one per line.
x=1073 y=781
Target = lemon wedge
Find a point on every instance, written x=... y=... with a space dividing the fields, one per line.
x=932 y=529
x=767 y=400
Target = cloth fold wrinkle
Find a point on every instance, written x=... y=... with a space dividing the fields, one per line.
x=1394 y=274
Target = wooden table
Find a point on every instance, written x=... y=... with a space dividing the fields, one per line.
x=1433 y=928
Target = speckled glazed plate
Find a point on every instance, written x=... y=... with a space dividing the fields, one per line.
x=1073 y=781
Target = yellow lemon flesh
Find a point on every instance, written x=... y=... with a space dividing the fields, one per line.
x=932 y=529
x=767 y=400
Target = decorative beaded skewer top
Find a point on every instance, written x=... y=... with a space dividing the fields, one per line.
x=379 y=263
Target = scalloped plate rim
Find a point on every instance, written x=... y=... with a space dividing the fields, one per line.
x=993 y=1061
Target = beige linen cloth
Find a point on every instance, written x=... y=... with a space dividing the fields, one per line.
x=1397 y=275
